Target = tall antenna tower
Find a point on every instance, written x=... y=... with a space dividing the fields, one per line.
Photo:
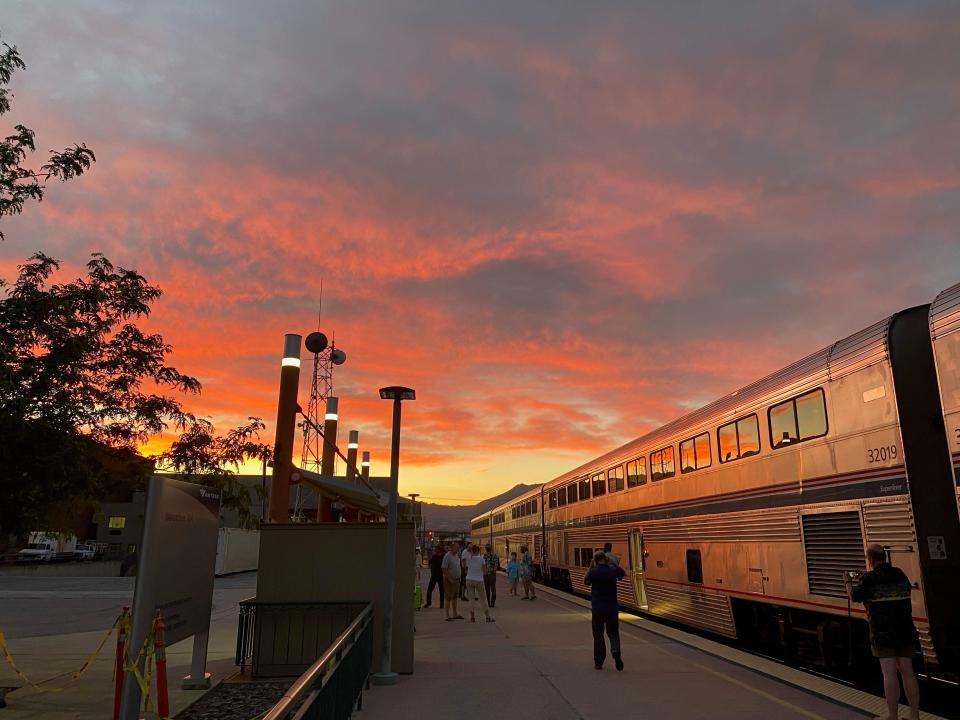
x=325 y=357
x=321 y=387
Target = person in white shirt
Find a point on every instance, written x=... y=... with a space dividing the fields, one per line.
x=475 y=591
x=464 y=556
x=451 y=582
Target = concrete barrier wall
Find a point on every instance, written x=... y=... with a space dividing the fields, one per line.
x=96 y=568
x=341 y=562
x=237 y=550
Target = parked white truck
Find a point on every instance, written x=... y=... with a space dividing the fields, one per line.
x=47 y=546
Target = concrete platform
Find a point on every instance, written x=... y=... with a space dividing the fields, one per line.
x=536 y=661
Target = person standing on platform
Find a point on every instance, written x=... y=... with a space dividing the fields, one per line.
x=602 y=579
x=451 y=582
x=526 y=574
x=885 y=592
x=491 y=563
x=475 y=593
x=612 y=557
x=436 y=575
x=464 y=556
x=513 y=572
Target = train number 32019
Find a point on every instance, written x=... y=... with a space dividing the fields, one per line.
x=882 y=454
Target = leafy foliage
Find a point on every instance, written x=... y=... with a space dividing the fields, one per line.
x=200 y=455
x=80 y=387
x=19 y=184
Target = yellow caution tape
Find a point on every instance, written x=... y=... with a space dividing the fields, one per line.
x=146 y=652
x=4 y=648
x=144 y=657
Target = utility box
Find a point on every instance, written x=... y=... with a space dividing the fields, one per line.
x=341 y=563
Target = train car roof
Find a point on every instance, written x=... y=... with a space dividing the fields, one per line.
x=528 y=495
x=945 y=313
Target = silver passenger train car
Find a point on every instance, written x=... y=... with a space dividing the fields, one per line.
x=741 y=517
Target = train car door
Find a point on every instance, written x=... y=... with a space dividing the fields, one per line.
x=636 y=565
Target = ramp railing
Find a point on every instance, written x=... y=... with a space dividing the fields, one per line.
x=332 y=687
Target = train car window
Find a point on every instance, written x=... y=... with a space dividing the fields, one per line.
x=572 y=493
x=801 y=418
x=783 y=425
x=812 y=415
x=688 y=460
x=656 y=466
x=599 y=485
x=636 y=472
x=695 y=453
x=615 y=479
x=533 y=506
x=739 y=439
x=668 y=466
x=701 y=444
x=727 y=442
x=748 y=436
x=584 y=484
x=561 y=497
x=553 y=498
x=661 y=464
x=694 y=567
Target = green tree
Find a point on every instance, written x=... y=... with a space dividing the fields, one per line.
x=18 y=184
x=202 y=456
x=81 y=386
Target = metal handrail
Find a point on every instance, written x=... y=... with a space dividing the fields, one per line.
x=306 y=682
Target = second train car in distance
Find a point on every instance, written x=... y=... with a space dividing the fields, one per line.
x=741 y=518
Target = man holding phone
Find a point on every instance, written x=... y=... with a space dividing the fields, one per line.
x=885 y=593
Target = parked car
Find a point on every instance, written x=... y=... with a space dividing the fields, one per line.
x=45 y=546
x=84 y=552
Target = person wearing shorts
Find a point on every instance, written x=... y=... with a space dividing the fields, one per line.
x=451 y=582
x=885 y=593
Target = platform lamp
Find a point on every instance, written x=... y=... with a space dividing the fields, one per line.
x=398 y=394
x=352 y=445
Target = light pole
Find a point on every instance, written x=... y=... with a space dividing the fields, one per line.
x=416 y=518
x=398 y=394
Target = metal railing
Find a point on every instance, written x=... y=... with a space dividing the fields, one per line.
x=333 y=686
x=284 y=639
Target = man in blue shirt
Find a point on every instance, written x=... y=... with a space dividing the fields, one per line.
x=602 y=578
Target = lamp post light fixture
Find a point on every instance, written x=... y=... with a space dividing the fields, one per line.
x=398 y=394
x=352 y=447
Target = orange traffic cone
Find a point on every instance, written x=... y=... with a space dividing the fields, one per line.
x=163 y=701
x=122 y=624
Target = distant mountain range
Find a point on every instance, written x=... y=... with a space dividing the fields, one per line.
x=457 y=517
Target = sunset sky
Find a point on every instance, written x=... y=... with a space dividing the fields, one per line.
x=562 y=223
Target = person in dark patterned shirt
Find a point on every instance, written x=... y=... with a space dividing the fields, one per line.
x=885 y=593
